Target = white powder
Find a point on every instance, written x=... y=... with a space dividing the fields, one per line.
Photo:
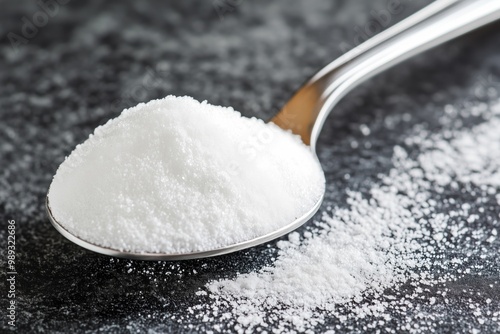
x=175 y=175
x=470 y=157
x=349 y=265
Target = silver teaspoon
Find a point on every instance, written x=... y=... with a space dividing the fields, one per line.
x=305 y=113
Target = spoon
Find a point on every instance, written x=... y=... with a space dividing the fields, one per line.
x=305 y=113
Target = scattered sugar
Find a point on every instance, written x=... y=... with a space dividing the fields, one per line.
x=349 y=265
x=471 y=157
x=176 y=175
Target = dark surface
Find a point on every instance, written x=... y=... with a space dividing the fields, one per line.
x=89 y=62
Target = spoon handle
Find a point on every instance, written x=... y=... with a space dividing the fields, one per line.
x=443 y=20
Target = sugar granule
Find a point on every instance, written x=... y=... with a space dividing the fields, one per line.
x=176 y=175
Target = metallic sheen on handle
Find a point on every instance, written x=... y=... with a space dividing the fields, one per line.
x=443 y=20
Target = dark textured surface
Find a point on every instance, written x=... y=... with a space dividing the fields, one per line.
x=92 y=59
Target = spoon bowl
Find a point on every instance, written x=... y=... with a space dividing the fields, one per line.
x=183 y=256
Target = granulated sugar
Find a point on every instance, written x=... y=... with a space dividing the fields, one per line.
x=175 y=175
x=349 y=265
x=470 y=157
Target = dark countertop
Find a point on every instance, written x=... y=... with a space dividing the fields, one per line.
x=92 y=59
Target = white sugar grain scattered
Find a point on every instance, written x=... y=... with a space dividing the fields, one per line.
x=472 y=156
x=176 y=175
x=355 y=255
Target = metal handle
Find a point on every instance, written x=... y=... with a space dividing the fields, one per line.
x=439 y=22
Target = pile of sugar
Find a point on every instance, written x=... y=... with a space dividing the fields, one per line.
x=176 y=175
x=349 y=266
